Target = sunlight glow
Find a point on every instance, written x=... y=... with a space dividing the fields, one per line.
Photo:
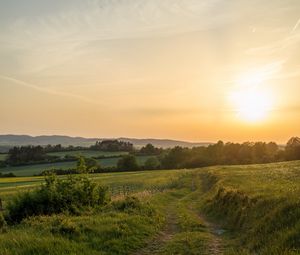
x=251 y=102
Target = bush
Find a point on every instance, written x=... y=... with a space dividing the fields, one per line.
x=2 y=164
x=7 y=175
x=128 y=163
x=57 y=196
x=152 y=163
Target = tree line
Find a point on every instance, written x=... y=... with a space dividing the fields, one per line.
x=27 y=155
x=178 y=157
x=231 y=154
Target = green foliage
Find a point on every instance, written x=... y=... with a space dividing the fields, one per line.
x=152 y=163
x=7 y=175
x=149 y=149
x=31 y=170
x=221 y=154
x=293 y=148
x=87 y=165
x=256 y=205
x=2 y=222
x=92 y=165
x=112 y=145
x=57 y=196
x=175 y=158
x=127 y=163
x=2 y=163
x=259 y=204
x=25 y=154
x=81 y=165
x=107 y=231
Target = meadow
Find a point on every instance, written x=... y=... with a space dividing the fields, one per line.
x=88 y=153
x=32 y=170
x=250 y=209
x=2 y=156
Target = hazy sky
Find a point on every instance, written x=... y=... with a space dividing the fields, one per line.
x=150 y=68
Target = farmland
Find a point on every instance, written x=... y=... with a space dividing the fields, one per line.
x=88 y=153
x=250 y=209
x=31 y=170
x=3 y=156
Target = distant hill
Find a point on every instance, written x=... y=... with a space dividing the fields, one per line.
x=15 y=140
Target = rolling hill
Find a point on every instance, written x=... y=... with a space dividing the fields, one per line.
x=15 y=140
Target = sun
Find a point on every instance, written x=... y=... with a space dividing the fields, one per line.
x=251 y=101
x=252 y=105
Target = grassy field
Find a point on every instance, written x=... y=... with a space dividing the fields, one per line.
x=253 y=209
x=3 y=157
x=88 y=153
x=37 y=169
x=118 y=182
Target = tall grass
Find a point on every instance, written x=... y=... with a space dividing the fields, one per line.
x=264 y=220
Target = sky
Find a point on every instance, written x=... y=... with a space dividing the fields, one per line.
x=180 y=69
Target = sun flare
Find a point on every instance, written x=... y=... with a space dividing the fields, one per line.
x=252 y=102
x=252 y=105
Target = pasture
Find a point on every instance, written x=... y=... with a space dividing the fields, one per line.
x=251 y=209
x=3 y=157
x=32 y=170
x=88 y=153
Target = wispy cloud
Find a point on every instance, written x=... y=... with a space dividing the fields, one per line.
x=296 y=26
x=46 y=90
x=50 y=40
x=104 y=20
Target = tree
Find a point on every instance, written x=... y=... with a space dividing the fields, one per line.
x=149 y=149
x=175 y=158
x=128 y=162
x=87 y=165
x=292 y=149
x=26 y=154
x=112 y=145
x=92 y=164
x=272 y=151
x=152 y=163
x=81 y=165
x=260 y=152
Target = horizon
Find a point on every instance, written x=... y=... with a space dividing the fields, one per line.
x=182 y=70
x=152 y=138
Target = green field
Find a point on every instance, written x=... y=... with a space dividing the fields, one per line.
x=3 y=157
x=87 y=153
x=253 y=209
x=37 y=169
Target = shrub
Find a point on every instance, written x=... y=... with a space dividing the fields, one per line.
x=128 y=163
x=152 y=163
x=7 y=175
x=57 y=196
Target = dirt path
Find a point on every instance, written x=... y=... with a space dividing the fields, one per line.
x=216 y=245
x=177 y=210
x=156 y=245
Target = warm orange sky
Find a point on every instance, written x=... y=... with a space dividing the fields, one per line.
x=180 y=69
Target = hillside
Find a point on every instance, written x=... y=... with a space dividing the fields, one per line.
x=17 y=140
x=250 y=209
